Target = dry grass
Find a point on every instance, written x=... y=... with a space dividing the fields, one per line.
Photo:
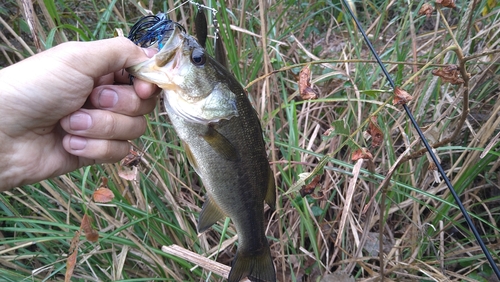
x=335 y=229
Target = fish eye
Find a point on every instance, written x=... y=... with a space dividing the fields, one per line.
x=198 y=57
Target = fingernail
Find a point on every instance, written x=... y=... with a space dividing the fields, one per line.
x=77 y=143
x=107 y=98
x=80 y=121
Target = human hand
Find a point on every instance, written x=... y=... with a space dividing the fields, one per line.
x=70 y=106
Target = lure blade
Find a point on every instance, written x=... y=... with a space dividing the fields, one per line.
x=220 y=52
x=201 y=28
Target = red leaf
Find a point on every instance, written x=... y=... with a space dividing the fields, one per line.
x=132 y=159
x=450 y=73
x=104 y=182
x=446 y=3
x=305 y=89
x=362 y=153
x=103 y=195
x=128 y=173
x=309 y=188
x=71 y=262
x=90 y=233
x=375 y=132
x=401 y=97
x=93 y=236
x=426 y=9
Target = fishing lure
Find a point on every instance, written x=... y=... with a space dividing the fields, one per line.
x=158 y=29
x=153 y=29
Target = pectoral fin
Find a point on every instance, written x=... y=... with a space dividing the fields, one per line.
x=271 y=191
x=220 y=144
x=190 y=157
x=209 y=215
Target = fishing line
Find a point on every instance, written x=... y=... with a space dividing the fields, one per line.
x=201 y=6
x=214 y=18
x=429 y=149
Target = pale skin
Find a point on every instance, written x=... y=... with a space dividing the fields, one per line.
x=69 y=107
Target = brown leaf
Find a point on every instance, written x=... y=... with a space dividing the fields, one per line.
x=426 y=9
x=86 y=224
x=73 y=253
x=450 y=73
x=73 y=245
x=305 y=89
x=90 y=233
x=128 y=173
x=132 y=159
x=92 y=237
x=375 y=132
x=104 y=181
x=401 y=97
x=362 y=153
x=309 y=188
x=103 y=195
x=309 y=94
x=446 y=3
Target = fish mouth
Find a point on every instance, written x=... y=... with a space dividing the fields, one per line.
x=170 y=47
x=155 y=70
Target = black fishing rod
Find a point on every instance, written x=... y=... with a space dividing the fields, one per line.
x=429 y=149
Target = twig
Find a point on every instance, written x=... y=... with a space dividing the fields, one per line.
x=208 y=264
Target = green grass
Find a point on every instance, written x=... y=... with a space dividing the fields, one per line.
x=426 y=236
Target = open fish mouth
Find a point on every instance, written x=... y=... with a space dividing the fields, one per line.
x=155 y=70
x=172 y=41
x=169 y=36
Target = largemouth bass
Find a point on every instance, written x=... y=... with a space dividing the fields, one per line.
x=222 y=137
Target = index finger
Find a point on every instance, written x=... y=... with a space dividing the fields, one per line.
x=97 y=58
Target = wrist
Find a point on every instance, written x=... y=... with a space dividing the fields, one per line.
x=12 y=165
x=10 y=172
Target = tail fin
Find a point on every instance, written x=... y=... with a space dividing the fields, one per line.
x=257 y=267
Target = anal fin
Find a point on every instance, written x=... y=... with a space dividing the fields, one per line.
x=220 y=144
x=209 y=215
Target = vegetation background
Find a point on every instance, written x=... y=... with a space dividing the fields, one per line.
x=338 y=227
